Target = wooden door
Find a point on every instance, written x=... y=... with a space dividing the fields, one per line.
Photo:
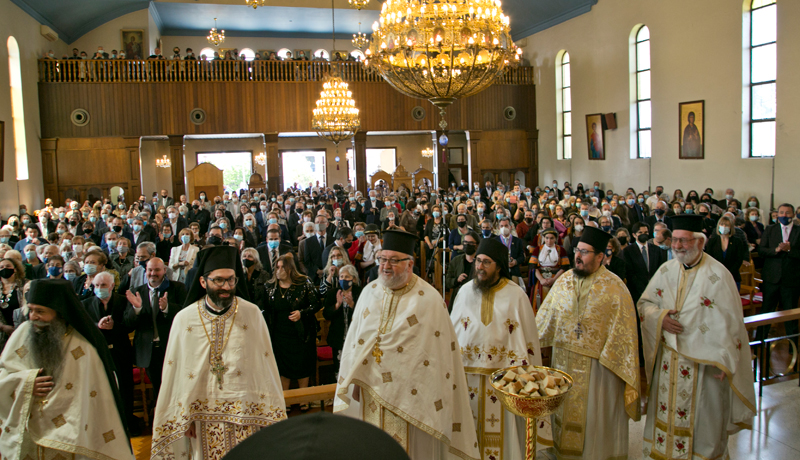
x=207 y=178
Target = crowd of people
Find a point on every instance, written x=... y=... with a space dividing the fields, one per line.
x=189 y=55
x=135 y=265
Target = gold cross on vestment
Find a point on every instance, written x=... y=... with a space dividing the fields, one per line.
x=492 y=420
x=218 y=368
x=376 y=350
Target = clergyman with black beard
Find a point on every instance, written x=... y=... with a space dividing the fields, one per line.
x=60 y=375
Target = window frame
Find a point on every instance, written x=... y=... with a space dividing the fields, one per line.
x=566 y=155
x=752 y=122
x=639 y=100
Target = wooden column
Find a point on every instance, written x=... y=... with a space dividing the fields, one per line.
x=178 y=173
x=533 y=159
x=442 y=163
x=474 y=147
x=360 y=157
x=49 y=172
x=134 y=188
x=272 y=173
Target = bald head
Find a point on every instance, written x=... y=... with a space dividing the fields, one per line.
x=156 y=270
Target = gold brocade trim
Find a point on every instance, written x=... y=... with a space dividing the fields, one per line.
x=569 y=420
x=727 y=374
x=411 y=420
x=72 y=449
x=487 y=301
x=394 y=297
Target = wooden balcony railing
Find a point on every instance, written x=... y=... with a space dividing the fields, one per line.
x=161 y=71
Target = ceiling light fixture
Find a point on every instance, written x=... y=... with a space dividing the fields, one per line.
x=214 y=37
x=261 y=159
x=255 y=3
x=360 y=40
x=358 y=4
x=441 y=50
x=163 y=162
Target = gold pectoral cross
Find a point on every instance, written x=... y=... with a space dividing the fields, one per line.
x=218 y=368
x=376 y=351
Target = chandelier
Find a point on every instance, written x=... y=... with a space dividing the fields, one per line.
x=163 y=162
x=358 y=4
x=427 y=153
x=360 y=40
x=255 y=3
x=441 y=50
x=336 y=117
x=214 y=37
x=261 y=159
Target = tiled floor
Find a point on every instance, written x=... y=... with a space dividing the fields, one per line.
x=775 y=434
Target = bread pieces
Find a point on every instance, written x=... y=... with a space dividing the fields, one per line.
x=532 y=383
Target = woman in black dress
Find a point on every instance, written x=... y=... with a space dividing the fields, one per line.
x=290 y=306
x=256 y=276
x=12 y=276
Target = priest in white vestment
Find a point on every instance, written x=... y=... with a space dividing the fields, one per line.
x=60 y=396
x=589 y=319
x=696 y=353
x=496 y=329
x=401 y=365
x=220 y=381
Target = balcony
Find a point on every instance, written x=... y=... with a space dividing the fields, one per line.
x=166 y=71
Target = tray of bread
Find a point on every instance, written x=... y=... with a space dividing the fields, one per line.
x=531 y=391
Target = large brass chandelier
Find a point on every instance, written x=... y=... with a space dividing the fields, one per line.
x=335 y=117
x=441 y=50
x=255 y=3
x=358 y=4
x=214 y=37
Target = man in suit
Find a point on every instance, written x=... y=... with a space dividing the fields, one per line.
x=200 y=215
x=139 y=235
x=780 y=248
x=313 y=248
x=138 y=276
x=107 y=310
x=150 y=311
x=643 y=259
x=729 y=200
x=165 y=200
x=372 y=208
x=175 y=220
x=636 y=213
x=515 y=246
x=46 y=224
x=118 y=227
x=486 y=192
x=295 y=218
x=343 y=237
x=270 y=252
x=40 y=271
x=660 y=215
x=262 y=219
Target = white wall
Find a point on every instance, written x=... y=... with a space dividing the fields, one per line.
x=696 y=53
x=154 y=179
x=109 y=35
x=15 y=22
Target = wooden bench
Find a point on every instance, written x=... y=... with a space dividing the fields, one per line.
x=310 y=394
x=768 y=319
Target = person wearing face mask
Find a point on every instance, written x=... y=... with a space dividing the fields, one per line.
x=460 y=268
x=660 y=215
x=729 y=200
x=548 y=262
x=121 y=257
x=94 y=262
x=780 y=249
x=515 y=246
x=40 y=271
x=256 y=275
x=182 y=256
x=753 y=228
x=728 y=250
x=12 y=276
x=166 y=240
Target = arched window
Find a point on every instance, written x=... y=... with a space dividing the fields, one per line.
x=283 y=52
x=763 y=65
x=17 y=112
x=325 y=54
x=248 y=54
x=563 y=107
x=358 y=55
x=208 y=53
x=643 y=106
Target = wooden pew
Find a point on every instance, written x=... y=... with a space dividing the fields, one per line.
x=768 y=319
x=307 y=395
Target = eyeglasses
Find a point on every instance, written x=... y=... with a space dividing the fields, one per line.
x=484 y=262
x=220 y=282
x=683 y=241
x=392 y=262
x=585 y=252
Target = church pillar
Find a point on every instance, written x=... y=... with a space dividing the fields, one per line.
x=272 y=170
x=474 y=139
x=360 y=157
x=532 y=179
x=178 y=174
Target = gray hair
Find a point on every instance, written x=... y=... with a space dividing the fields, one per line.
x=350 y=270
x=104 y=276
x=255 y=255
x=148 y=246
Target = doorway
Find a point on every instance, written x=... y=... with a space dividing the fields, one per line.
x=303 y=167
x=237 y=167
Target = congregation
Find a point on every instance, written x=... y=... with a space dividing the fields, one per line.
x=137 y=267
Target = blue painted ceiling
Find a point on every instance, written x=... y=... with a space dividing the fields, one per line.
x=280 y=18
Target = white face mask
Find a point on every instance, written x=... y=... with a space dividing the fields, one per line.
x=506 y=231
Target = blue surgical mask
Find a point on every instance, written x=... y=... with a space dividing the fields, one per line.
x=92 y=219
x=273 y=244
x=641 y=200
x=90 y=269
x=784 y=220
x=223 y=225
x=689 y=211
x=102 y=293
x=112 y=244
x=436 y=214
x=345 y=284
x=631 y=201
x=238 y=237
x=753 y=218
x=54 y=271
x=359 y=234
x=337 y=262
x=137 y=228
x=273 y=221
x=185 y=239
x=248 y=223
x=584 y=213
x=4 y=239
x=70 y=276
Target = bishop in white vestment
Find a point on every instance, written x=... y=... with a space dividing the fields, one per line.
x=401 y=365
x=589 y=319
x=220 y=381
x=696 y=352
x=496 y=329
x=59 y=393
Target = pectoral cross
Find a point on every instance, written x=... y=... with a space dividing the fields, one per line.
x=376 y=350
x=218 y=368
x=578 y=331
